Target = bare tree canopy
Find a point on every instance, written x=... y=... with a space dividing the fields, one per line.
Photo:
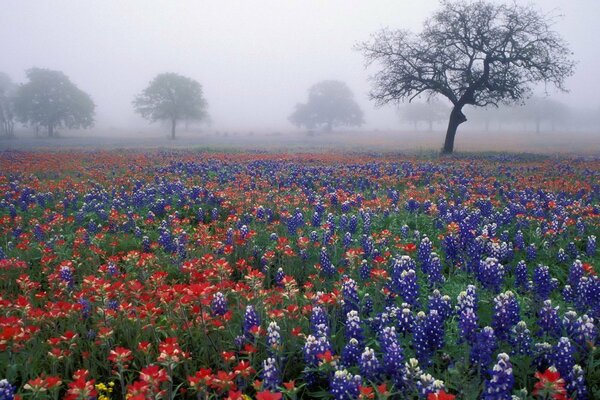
x=330 y=104
x=473 y=53
x=171 y=97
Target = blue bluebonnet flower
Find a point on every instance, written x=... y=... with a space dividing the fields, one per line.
x=427 y=384
x=351 y=353
x=7 y=391
x=319 y=321
x=500 y=384
x=434 y=270
x=484 y=346
x=588 y=296
x=543 y=356
x=350 y=296
x=543 y=284
x=467 y=299
x=406 y=320
x=66 y=275
x=506 y=314
x=279 y=276
x=353 y=327
x=345 y=386
x=491 y=274
x=424 y=250
x=218 y=305
x=313 y=347
x=521 y=275
x=393 y=356
x=273 y=338
x=563 y=357
x=370 y=367
x=347 y=242
x=327 y=267
x=250 y=321
x=519 y=240
x=409 y=288
x=367 y=307
x=468 y=323
x=271 y=375
x=520 y=339
x=420 y=340
x=590 y=246
x=575 y=273
x=561 y=256
x=576 y=386
x=2 y=254
x=364 y=270
x=530 y=252
x=548 y=320
x=440 y=303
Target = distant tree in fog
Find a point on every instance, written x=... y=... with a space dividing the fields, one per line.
x=428 y=112
x=542 y=109
x=330 y=104
x=7 y=90
x=50 y=100
x=475 y=53
x=173 y=98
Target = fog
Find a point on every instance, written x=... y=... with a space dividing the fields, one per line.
x=254 y=59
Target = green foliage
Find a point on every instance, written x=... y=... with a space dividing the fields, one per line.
x=171 y=97
x=330 y=104
x=51 y=100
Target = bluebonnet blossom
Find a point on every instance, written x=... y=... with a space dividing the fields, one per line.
x=484 y=346
x=543 y=284
x=251 y=321
x=353 y=327
x=590 y=246
x=491 y=274
x=218 y=304
x=440 y=303
x=393 y=355
x=520 y=339
x=271 y=375
x=521 y=276
x=351 y=353
x=506 y=314
x=500 y=384
x=563 y=357
x=344 y=385
x=350 y=296
x=468 y=324
x=273 y=338
x=548 y=320
x=576 y=386
x=370 y=367
x=7 y=391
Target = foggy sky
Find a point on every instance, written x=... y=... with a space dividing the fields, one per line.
x=254 y=59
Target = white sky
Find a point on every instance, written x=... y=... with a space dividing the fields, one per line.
x=255 y=59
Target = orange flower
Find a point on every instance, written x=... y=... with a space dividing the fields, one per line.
x=550 y=385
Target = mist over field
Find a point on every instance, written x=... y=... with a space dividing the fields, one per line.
x=257 y=60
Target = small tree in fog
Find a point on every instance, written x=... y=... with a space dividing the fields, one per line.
x=330 y=104
x=171 y=97
x=473 y=53
x=7 y=89
x=50 y=100
x=429 y=112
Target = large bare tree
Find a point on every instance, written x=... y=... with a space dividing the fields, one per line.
x=473 y=53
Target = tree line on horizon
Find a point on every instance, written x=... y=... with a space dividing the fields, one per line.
x=471 y=54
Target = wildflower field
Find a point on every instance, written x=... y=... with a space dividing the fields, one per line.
x=181 y=274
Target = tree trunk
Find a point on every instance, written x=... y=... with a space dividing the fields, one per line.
x=456 y=118
x=173 y=125
x=537 y=125
x=50 y=130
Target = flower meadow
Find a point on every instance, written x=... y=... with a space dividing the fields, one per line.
x=181 y=274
